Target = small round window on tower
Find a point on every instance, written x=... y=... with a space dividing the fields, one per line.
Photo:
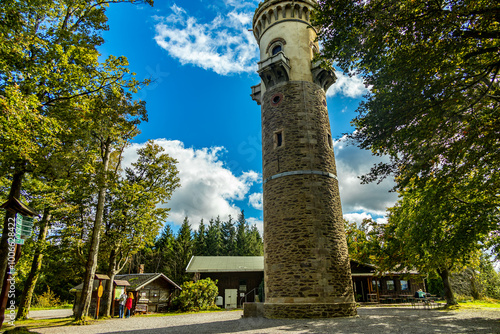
x=276 y=99
x=276 y=49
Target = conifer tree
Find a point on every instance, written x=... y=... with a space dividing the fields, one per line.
x=214 y=238
x=255 y=244
x=229 y=237
x=183 y=250
x=200 y=244
x=242 y=238
x=163 y=254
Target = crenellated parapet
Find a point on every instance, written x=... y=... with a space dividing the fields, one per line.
x=274 y=11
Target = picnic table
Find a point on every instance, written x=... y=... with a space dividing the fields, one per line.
x=426 y=302
x=405 y=298
x=387 y=298
x=372 y=298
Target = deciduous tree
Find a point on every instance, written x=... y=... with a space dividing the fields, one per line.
x=48 y=60
x=432 y=68
x=434 y=232
x=136 y=207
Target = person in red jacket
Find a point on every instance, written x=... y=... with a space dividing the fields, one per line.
x=128 y=303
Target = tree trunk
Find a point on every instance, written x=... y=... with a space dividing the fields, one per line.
x=15 y=192
x=448 y=292
x=83 y=305
x=36 y=265
x=474 y=285
x=110 y=286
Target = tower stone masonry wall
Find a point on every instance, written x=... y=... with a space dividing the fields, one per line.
x=306 y=263
x=307 y=272
x=303 y=118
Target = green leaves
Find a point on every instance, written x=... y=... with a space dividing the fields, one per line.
x=434 y=76
x=136 y=203
x=433 y=109
x=199 y=295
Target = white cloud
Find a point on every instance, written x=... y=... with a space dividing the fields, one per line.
x=371 y=199
x=349 y=86
x=257 y=222
x=358 y=217
x=252 y=4
x=208 y=189
x=223 y=45
x=255 y=200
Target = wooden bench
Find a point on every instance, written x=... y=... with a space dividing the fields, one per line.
x=141 y=308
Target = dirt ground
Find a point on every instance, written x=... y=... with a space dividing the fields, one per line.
x=372 y=320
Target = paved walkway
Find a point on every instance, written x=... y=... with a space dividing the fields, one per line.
x=374 y=320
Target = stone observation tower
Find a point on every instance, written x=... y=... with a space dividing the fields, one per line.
x=306 y=263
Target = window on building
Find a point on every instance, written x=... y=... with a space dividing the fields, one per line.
x=276 y=49
x=330 y=142
x=390 y=285
x=404 y=285
x=243 y=286
x=278 y=138
x=375 y=285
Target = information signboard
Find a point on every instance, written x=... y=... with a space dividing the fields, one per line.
x=24 y=226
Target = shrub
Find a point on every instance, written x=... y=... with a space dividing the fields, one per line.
x=197 y=296
x=47 y=299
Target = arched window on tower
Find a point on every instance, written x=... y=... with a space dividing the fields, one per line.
x=276 y=49
x=276 y=46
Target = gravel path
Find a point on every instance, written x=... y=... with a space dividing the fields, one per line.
x=51 y=314
x=375 y=320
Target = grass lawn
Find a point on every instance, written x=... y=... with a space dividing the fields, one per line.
x=34 y=324
x=65 y=306
x=479 y=304
x=23 y=326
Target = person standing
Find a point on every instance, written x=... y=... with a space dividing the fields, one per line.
x=121 y=303
x=128 y=303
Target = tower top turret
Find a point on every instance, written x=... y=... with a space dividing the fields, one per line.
x=272 y=11
x=287 y=43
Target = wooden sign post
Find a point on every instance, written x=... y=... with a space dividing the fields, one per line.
x=100 y=291
x=14 y=207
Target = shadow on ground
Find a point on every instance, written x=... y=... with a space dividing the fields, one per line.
x=373 y=321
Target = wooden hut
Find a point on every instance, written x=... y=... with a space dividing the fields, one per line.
x=370 y=286
x=153 y=292
x=238 y=277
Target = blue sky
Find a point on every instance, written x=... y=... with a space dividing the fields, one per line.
x=202 y=60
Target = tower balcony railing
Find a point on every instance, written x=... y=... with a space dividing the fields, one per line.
x=257 y=94
x=274 y=69
x=278 y=58
x=321 y=76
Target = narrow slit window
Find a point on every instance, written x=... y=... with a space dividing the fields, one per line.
x=278 y=138
x=330 y=142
